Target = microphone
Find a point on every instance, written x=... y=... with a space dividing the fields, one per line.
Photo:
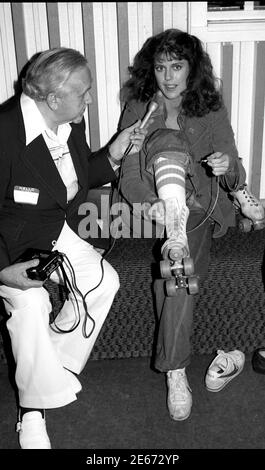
x=153 y=105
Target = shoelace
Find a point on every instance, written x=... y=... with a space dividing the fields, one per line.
x=179 y=227
x=177 y=241
x=179 y=389
x=250 y=198
x=225 y=364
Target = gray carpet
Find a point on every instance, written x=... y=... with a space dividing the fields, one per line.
x=230 y=306
x=123 y=406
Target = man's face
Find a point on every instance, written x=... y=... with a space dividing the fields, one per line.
x=74 y=97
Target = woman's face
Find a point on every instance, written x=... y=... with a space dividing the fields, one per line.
x=171 y=76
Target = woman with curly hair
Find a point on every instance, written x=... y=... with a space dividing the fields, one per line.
x=183 y=174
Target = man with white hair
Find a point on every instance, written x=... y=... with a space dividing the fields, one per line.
x=47 y=169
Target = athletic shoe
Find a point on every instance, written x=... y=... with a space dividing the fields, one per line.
x=179 y=399
x=258 y=361
x=32 y=431
x=224 y=368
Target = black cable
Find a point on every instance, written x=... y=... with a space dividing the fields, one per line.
x=212 y=209
x=83 y=297
x=72 y=288
x=68 y=289
x=108 y=251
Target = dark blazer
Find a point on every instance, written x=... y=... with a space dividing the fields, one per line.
x=25 y=226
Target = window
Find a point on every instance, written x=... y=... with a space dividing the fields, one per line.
x=228 y=6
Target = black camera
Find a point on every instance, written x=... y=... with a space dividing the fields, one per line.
x=49 y=262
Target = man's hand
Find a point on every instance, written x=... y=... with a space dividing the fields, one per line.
x=219 y=162
x=132 y=134
x=16 y=276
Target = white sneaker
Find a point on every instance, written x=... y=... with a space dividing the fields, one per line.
x=32 y=431
x=224 y=368
x=179 y=398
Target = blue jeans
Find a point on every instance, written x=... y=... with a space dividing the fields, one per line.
x=175 y=314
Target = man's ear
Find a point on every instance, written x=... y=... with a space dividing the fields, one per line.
x=52 y=101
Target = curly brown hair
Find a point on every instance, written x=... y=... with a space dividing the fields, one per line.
x=201 y=95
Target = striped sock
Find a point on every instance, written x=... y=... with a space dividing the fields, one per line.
x=170 y=179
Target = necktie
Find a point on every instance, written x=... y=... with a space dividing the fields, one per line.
x=60 y=153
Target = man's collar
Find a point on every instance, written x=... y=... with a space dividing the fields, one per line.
x=34 y=122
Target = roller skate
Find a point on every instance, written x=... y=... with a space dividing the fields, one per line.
x=177 y=266
x=251 y=208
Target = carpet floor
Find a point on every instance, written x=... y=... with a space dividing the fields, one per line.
x=123 y=406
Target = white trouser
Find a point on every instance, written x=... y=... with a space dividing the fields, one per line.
x=42 y=354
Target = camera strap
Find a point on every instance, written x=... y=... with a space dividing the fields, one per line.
x=66 y=282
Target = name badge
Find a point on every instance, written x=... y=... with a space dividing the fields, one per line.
x=25 y=195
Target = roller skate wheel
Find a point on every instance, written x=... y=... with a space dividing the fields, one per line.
x=171 y=288
x=259 y=224
x=193 y=285
x=165 y=269
x=188 y=266
x=245 y=225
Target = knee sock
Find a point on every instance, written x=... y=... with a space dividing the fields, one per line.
x=170 y=179
x=170 y=182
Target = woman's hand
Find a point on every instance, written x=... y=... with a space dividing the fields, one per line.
x=219 y=162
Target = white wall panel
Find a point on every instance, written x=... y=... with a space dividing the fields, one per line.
x=167 y=15
x=175 y=15
x=262 y=183
x=246 y=105
x=111 y=68
x=215 y=52
x=145 y=29
x=8 y=64
x=235 y=88
x=106 y=53
x=101 y=70
x=36 y=28
x=139 y=25
x=180 y=15
x=4 y=91
x=133 y=30
x=70 y=22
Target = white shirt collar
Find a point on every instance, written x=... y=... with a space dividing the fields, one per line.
x=34 y=122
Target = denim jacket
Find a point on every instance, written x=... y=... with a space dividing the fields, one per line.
x=205 y=135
